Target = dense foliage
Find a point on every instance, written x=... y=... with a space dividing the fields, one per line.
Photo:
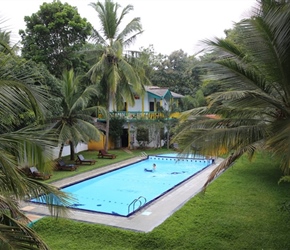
x=21 y=146
x=54 y=35
x=116 y=126
x=142 y=136
x=182 y=74
x=178 y=72
x=252 y=112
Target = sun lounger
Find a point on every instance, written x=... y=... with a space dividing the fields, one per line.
x=104 y=154
x=37 y=174
x=81 y=160
x=61 y=165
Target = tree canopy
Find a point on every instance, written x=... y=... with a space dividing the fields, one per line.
x=179 y=72
x=53 y=35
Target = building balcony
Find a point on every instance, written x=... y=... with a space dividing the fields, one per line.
x=136 y=115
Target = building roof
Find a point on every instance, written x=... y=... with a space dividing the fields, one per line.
x=175 y=95
x=162 y=92
x=158 y=92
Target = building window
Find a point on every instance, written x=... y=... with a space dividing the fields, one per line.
x=151 y=106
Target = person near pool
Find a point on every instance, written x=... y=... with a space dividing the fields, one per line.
x=151 y=170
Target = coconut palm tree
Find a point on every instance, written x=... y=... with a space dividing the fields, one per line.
x=75 y=124
x=118 y=73
x=20 y=148
x=254 y=112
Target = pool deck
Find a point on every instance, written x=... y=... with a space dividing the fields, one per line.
x=144 y=220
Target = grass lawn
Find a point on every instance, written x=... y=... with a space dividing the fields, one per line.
x=242 y=209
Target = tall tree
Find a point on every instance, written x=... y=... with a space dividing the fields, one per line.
x=53 y=35
x=119 y=74
x=75 y=124
x=178 y=71
x=26 y=146
x=254 y=112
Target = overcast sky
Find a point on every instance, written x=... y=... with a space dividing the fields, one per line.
x=168 y=25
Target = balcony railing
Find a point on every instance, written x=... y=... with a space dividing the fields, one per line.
x=136 y=115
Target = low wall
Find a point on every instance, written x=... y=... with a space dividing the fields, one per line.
x=66 y=150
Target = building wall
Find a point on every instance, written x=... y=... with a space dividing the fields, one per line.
x=142 y=104
x=66 y=150
x=137 y=106
x=98 y=145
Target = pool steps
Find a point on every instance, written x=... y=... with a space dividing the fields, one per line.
x=134 y=202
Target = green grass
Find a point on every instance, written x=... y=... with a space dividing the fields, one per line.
x=242 y=209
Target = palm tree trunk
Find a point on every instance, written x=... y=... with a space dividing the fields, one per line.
x=168 y=137
x=107 y=133
x=60 y=151
x=72 y=150
x=107 y=122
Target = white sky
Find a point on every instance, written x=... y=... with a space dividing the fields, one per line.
x=168 y=25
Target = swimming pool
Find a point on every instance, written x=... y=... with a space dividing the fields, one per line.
x=128 y=189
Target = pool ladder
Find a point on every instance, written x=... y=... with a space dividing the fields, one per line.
x=139 y=201
x=143 y=154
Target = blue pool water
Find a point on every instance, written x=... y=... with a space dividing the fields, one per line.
x=125 y=190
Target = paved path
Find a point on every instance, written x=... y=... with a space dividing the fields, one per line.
x=144 y=220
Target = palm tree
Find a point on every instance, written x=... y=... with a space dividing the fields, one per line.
x=75 y=124
x=119 y=74
x=21 y=147
x=170 y=122
x=254 y=112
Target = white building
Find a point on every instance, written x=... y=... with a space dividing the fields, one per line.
x=155 y=105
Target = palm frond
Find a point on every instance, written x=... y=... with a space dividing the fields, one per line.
x=130 y=32
x=129 y=73
x=21 y=90
x=98 y=68
x=97 y=38
x=227 y=162
x=30 y=145
x=253 y=109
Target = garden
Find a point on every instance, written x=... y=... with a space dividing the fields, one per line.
x=244 y=208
